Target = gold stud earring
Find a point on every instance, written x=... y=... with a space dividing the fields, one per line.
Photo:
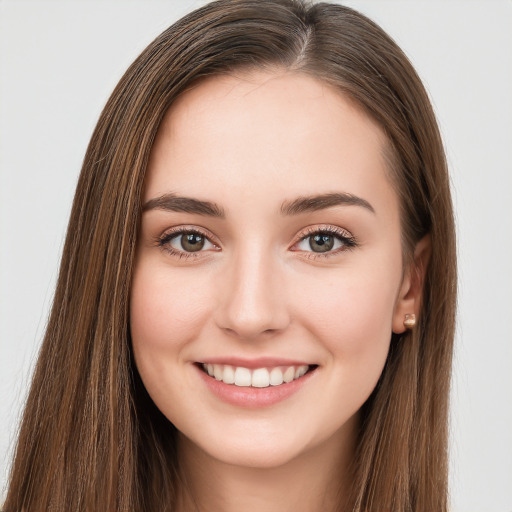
x=410 y=321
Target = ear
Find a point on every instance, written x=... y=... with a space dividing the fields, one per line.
x=411 y=289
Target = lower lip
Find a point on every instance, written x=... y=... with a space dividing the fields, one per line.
x=253 y=398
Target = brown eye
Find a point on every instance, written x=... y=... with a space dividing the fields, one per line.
x=192 y=242
x=325 y=241
x=321 y=243
x=184 y=242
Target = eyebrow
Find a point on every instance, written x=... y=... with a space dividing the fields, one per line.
x=303 y=204
x=172 y=202
x=321 y=202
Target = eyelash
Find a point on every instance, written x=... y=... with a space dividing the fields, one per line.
x=164 y=242
x=348 y=241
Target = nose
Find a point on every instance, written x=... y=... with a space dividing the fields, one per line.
x=253 y=301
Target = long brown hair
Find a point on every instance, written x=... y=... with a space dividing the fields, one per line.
x=91 y=438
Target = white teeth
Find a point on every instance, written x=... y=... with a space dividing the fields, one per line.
x=259 y=378
x=276 y=377
x=300 y=371
x=242 y=376
x=289 y=374
x=229 y=374
x=218 y=371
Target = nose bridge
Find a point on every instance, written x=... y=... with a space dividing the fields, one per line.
x=253 y=301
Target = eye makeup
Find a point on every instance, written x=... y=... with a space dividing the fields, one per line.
x=319 y=241
x=191 y=238
x=328 y=241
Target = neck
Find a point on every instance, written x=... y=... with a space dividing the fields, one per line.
x=317 y=480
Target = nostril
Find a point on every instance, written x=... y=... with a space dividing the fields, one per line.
x=251 y=303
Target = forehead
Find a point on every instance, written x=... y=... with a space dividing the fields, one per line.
x=238 y=135
x=261 y=98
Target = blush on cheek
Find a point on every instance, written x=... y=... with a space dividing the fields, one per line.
x=163 y=314
x=350 y=317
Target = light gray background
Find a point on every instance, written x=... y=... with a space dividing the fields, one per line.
x=59 y=61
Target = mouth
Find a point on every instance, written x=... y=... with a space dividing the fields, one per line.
x=258 y=377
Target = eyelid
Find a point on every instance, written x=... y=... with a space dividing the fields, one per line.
x=322 y=228
x=349 y=241
x=163 y=239
x=186 y=228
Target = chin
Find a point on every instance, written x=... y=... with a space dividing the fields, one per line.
x=256 y=457
x=263 y=448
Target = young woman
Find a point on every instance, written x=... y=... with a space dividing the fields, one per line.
x=255 y=306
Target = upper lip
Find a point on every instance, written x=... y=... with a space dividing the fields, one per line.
x=260 y=362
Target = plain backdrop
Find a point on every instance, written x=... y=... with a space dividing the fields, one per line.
x=59 y=61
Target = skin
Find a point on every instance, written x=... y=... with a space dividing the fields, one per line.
x=249 y=143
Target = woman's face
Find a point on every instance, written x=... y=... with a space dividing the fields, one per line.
x=269 y=245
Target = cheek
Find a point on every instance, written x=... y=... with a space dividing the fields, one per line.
x=352 y=317
x=351 y=302
x=167 y=310
x=163 y=309
x=165 y=315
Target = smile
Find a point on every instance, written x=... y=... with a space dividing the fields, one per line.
x=257 y=383
x=256 y=378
